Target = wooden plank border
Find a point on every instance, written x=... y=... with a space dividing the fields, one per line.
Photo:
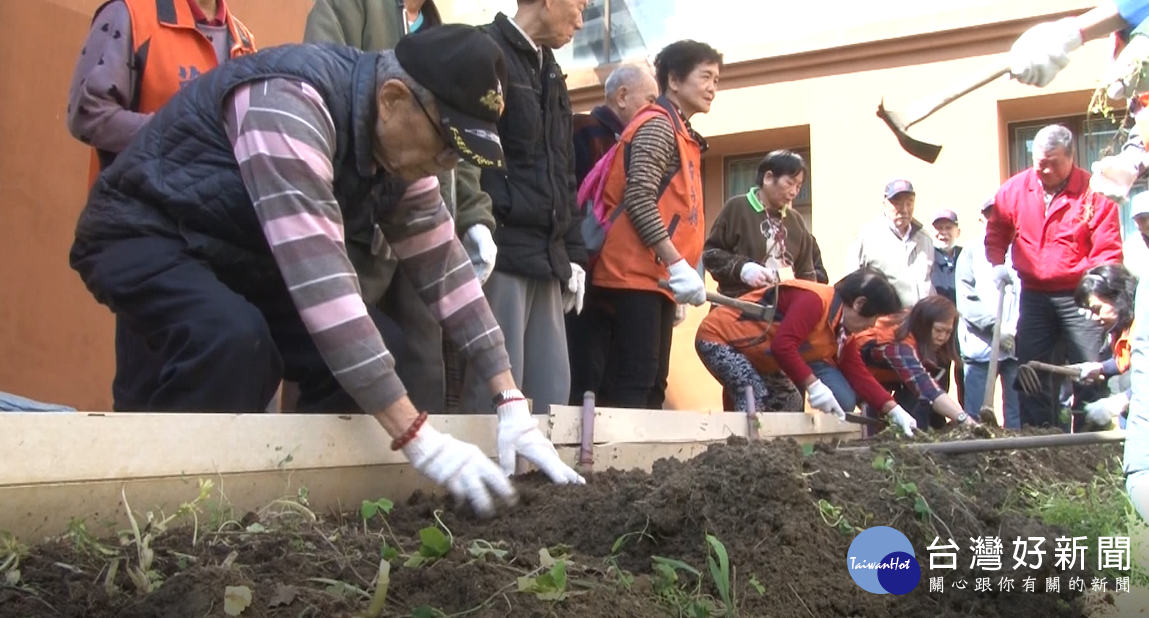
x=63 y=466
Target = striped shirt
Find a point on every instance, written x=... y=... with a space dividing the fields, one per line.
x=285 y=141
x=903 y=360
x=653 y=156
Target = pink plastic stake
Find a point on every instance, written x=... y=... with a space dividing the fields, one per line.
x=586 y=449
x=752 y=412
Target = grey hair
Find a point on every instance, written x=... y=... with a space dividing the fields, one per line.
x=624 y=75
x=387 y=67
x=1051 y=137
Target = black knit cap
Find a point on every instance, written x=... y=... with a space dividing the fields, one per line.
x=465 y=69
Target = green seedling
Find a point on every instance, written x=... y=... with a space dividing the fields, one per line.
x=720 y=572
x=757 y=586
x=434 y=545
x=883 y=463
x=668 y=585
x=549 y=586
x=145 y=578
x=370 y=509
x=834 y=516
x=909 y=492
x=85 y=543
x=426 y=611
x=480 y=549
x=12 y=552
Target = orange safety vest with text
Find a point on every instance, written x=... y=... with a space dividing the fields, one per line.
x=167 y=53
x=883 y=332
x=1122 y=347
x=752 y=337
x=625 y=262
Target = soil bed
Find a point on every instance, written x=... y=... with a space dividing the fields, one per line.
x=785 y=515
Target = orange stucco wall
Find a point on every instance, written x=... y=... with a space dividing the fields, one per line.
x=57 y=342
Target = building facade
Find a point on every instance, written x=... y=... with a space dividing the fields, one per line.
x=806 y=76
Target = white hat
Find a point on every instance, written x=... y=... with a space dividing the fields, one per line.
x=1140 y=204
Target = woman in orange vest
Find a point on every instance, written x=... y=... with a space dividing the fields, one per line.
x=137 y=55
x=1106 y=292
x=656 y=178
x=903 y=350
x=808 y=340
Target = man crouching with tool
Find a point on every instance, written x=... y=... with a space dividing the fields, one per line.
x=1037 y=57
x=220 y=236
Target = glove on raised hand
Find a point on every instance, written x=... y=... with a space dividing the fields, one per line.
x=1041 y=52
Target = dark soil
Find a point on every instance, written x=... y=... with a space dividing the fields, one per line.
x=760 y=500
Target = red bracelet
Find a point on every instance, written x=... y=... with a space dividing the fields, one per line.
x=409 y=435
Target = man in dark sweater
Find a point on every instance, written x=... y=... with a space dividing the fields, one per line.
x=628 y=88
x=946 y=252
x=540 y=268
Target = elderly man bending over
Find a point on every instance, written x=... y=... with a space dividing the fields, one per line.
x=220 y=237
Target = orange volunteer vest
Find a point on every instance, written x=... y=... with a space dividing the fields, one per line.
x=168 y=52
x=625 y=262
x=1122 y=346
x=752 y=337
x=883 y=332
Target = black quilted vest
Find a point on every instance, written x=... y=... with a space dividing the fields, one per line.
x=179 y=177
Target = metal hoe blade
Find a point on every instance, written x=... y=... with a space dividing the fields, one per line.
x=925 y=151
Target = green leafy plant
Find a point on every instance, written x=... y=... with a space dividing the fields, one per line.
x=720 y=572
x=370 y=509
x=434 y=544
x=548 y=586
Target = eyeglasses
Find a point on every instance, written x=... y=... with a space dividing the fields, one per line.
x=448 y=156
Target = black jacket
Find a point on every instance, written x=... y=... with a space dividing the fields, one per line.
x=534 y=200
x=179 y=177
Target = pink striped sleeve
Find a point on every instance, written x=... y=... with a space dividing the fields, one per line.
x=285 y=229
x=283 y=146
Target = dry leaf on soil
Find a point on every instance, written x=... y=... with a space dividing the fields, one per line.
x=236 y=599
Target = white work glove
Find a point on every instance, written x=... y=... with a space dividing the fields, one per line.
x=576 y=290
x=481 y=248
x=756 y=275
x=1113 y=176
x=518 y=434
x=679 y=314
x=461 y=467
x=1089 y=371
x=822 y=399
x=1008 y=340
x=1041 y=52
x=902 y=420
x=1102 y=412
x=686 y=284
x=1128 y=75
x=1001 y=273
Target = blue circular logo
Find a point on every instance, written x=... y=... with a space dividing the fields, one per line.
x=881 y=560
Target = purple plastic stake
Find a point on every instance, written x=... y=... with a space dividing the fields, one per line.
x=752 y=412
x=586 y=448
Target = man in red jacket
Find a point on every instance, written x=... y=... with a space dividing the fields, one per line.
x=1058 y=229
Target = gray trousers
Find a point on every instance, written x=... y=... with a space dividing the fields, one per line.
x=530 y=314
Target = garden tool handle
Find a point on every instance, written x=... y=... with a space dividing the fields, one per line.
x=1054 y=369
x=991 y=377
x=744 y=306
